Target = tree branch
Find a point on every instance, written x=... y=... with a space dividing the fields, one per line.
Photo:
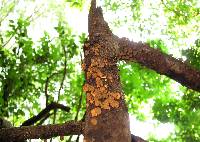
x=170 y=9
x=47 y=84
x=62 y=82
x=4 y=44
x=44 y=118
x=9 y=10
x=160 y=62
x=41 y=132
x=19 y=134
x=43 y=113
x=64 y=73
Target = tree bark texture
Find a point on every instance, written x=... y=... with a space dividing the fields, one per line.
x=106 y=115
x=107 y=118
x=40 y=132
x=160 y=62
x=21 y=134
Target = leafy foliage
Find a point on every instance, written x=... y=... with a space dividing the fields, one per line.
x=26 y=69
x=193 y=54
x=147 y=85
x=34 y=73
x=158 y=44
x=183 y=12
x=184 y=113
x=76 y=3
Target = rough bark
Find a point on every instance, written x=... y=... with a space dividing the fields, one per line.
x=31 y=132
x=160 y=62
x=107 y=118
x=40 y=132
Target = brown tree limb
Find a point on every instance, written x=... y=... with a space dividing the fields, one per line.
x=45 y=111
x=18 y=134
x=160 y=62
x=43 y=119
x=40 y=132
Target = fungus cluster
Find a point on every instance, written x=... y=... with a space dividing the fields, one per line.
x=99 y=95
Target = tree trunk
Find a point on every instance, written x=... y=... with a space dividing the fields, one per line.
x=107 y=118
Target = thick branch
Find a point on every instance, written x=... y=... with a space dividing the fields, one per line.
x=43 y=113
x=47 y=131
x=160 y=62
x=43 y=119
x=40 y=132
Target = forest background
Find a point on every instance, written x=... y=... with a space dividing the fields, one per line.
x=41 y=54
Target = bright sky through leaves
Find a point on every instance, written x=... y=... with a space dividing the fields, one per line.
x=78 y=21
x=152 y=24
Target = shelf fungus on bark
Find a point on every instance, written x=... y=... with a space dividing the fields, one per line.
x=95 y=111
x=101 y=96
x=93 y=121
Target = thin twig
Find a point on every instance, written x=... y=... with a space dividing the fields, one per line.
x=176 y=12
x=78 y=107
x=31 y=18
x=77 y=112
x=80 y=100
x=61 y=85
x=46 y=85
x=64 y=73
x=43 y=113
x=36 y=10
x=8 y=40
x=10 y=10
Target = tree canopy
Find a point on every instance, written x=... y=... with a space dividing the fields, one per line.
x=41 y=56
